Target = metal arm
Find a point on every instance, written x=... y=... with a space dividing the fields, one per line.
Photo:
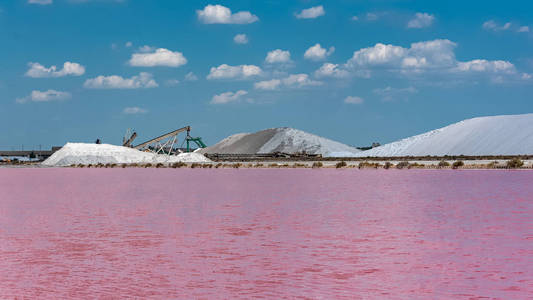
x=164 y=136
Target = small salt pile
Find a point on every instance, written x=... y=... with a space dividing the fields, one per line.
x=81 y=153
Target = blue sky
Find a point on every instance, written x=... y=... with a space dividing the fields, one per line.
x=353 y=71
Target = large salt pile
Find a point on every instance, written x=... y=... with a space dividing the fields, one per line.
x=495 y=135
x=286 y=140
x=81 y=153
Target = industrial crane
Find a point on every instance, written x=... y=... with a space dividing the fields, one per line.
x=159 y=144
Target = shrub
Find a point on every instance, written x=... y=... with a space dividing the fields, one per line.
x=387 y=165
x=258 y=165
x=89 y=165
x=317 y=164
x=416 y=165
x=341 y=164
x=458 y=164
x=123 y=166
x=492 y=164
x=159 y=165
x=274 y=165
x=298 y=165
x=195 y=165
x=178 y=164
x=443 y=163
x=107 y=165
x=148 y=165
x=237 y=165
x=218 y=165
x=515 y=163
x=402 y=165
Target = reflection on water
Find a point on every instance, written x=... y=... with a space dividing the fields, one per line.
x=280 y=233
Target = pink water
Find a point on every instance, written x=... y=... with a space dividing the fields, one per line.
x=274 y=233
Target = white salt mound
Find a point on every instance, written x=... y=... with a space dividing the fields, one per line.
x=81 y=153
x=495 y=135
x=286 y=140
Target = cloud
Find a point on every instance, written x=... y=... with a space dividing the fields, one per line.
x=317 y=53
x=421 y=20
x=228 y=97
x=372 y=16
x=69 y=68
x=143 y=80
x=128 y=44
x=482 y=65
x=491 y=25
x=353 y=100
x=354 y=18
x=191 y=77
x=159 y=57
x=134 y=110
x=390 y=93
x=41 y=2
x=46 y=96
x=331 y=70
x=292 y=81
x=172 y=82
x=278 y=56
x=240 y=39
x=234 y=72
x=218 y=14
x=267 y=84
x=311 y=13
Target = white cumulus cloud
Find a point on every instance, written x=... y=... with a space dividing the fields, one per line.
x=134 y=110
x=228 y=97
x=143 y=80
x=311 y=13
x=421 y=20
x=491 y=25
x=523 y=29
x=240 y=39
x=191 y=77
x=45 y=96
x=41 y=2
x=353 y=100
x=482 y=65
x=158 y=57
x=225 y=71
x=331 y=70
x=69 y=68
x=291 y=81
x=278 y=56
x=267 y=84
x=316 y=52
x=218 y=14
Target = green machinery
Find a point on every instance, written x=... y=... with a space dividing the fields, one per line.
x=196 y=140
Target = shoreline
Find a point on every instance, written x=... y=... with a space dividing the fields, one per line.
x=322 y=164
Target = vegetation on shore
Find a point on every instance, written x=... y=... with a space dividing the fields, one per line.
x=514 y=163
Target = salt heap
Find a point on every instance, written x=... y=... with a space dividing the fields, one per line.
x=494 y=135
x=286 y=140
x=81 y=153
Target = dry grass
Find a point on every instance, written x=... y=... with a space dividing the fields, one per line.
x=317 y=164
x=341 y=164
